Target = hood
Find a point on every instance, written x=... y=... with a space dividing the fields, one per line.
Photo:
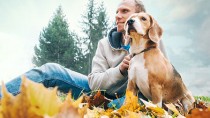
x=115 y=38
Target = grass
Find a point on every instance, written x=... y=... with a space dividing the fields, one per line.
x=203 y=98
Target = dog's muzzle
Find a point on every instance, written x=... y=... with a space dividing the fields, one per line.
x=130 y=25
x=130 y=22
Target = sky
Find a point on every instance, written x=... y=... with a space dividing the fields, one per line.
x=185 y=24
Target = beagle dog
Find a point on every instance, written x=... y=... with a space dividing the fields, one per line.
x=149 y=71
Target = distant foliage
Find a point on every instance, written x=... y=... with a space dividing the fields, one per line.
x=95 y=26
x=57 y=44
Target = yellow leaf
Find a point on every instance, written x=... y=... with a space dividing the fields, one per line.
x=130 y=103
x=34 y=101
x=7 y=103
x=154 y=108
x=77 y=102
x=172 y=108
x=157 y=110
x=95 y=113
x=70 y=108
x=136 y=115
x=43 y=101
x=15 y=107
x=148 y=104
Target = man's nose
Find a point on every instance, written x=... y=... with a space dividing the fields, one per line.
x=118 y=16
x=130 y=21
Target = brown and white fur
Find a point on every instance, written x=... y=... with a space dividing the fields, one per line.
x=149 y=71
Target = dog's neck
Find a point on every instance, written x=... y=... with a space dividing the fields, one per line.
x=143 y=45
x=145 y=50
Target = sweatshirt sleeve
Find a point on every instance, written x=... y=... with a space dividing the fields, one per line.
x=102 y=76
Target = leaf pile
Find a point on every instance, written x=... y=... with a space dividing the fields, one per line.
x=36 y=101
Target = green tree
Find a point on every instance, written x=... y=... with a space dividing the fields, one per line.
x=102 y=22
x=56 y=43
x=94 y=25
x=74 y=58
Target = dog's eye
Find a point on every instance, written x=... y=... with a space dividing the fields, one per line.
x=143 y=18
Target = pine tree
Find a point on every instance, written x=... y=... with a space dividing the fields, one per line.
x=95 y=25
x=101 y=26
x=102 y=21
x=74 y=57
x=56 y=43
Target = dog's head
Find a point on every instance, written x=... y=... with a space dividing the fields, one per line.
x=141 y=24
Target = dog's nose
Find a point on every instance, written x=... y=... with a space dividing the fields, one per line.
x=130 y=21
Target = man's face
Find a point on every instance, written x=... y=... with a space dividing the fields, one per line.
x=124 y=10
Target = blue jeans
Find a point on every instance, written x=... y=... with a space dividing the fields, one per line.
x=51 y=75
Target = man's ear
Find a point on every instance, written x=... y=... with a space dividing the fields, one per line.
x=155 y=31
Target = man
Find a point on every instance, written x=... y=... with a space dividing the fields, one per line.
x=109 y=66
x=110 y=63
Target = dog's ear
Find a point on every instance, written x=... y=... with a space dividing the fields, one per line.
x=155 y=31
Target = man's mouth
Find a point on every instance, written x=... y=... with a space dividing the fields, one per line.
x=120 y=23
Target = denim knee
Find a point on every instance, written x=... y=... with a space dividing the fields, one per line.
x=51 y=65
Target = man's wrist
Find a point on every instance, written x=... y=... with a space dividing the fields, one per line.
x=124 y=73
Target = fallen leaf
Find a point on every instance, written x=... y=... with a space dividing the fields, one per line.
x=43 y=101
x=98 y=100
x=130 y=104
x=16 y=106
x=199 y=113
x=136 y=115
x=34 y=101
x=157 y=111
x=172 y=108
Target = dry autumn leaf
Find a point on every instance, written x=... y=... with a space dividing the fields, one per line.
x=199 y=113
x=97 y=100
x=69 y=108
x=154 y=109
x=136 y=115
x=130 y=104
x=199 y=104
x=172 y=108
x=44 y=102
x=36 y=101
x=16 y=106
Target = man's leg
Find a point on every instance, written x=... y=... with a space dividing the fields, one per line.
x=51 y=75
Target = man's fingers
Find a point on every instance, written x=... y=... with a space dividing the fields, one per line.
x=125 y=62
x=126 y=66
x=128 y=57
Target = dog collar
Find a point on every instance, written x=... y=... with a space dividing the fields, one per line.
x=147 y=49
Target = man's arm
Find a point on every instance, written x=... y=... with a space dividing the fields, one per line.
x=103 y=76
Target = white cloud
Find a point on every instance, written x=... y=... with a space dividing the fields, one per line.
x=203 y=35
x=181 y=10
x=196 y=79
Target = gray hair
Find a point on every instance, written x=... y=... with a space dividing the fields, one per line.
x=139 y=6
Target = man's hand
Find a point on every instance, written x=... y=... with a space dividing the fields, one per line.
x=124 y=65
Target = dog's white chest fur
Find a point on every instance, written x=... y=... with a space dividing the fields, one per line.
x=139 y=74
